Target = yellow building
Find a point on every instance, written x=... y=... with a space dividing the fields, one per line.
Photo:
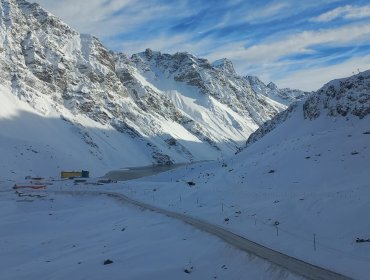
x=70 y=174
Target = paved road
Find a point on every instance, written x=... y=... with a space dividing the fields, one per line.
x=292 y=264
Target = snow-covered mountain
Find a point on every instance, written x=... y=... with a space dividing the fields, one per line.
x=347 y=97
x=301 y=186
x=110 y=109
x=285 y=96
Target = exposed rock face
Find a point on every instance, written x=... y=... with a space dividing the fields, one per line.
x=225 y=65
x=349 y=96
x=338 y=98
x=285 y=96
x=169 y=102
x=225 y=86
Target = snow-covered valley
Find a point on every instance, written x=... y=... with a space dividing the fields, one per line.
x=299 y=187
x=309 y=190
x=283 y=168
x=43 y=238
x=106 y=110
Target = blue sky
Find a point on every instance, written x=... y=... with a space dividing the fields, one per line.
x=299 y=44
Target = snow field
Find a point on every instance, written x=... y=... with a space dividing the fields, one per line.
x=301 y=191
x=60 y=236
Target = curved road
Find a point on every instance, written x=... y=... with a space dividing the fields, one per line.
x=292 y=264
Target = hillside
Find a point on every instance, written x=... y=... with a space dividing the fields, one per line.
x=300 y=186
x=150 y=108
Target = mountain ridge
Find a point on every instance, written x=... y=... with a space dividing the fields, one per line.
x=300 y=186
x=173 y=104
x=338 y=98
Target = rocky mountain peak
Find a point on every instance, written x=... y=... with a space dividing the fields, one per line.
x=254 y=80
x=272 y=86
x=285 y=96
x=225 y=65
x=149 y=53
x=168 y=102
x=342 y=97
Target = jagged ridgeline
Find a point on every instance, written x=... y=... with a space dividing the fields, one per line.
x=177 y=107
x=346 y=98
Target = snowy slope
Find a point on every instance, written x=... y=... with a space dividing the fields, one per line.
x=179 y=108
x=284 y=96
x=43 y=144
x=43 y=238
x=301 y=186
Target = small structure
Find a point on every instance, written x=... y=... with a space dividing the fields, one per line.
x=74 y=174
x=85 y=174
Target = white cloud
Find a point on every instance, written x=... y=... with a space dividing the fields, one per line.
x=295 y=44
x=314 y=78
x=347 y=12
x=266 y=12
x=86 y=16
x=266 y=59
x=359 y=12
x=106 y=18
